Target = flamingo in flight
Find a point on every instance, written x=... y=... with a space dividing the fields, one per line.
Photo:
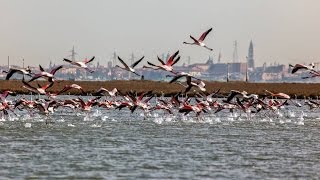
x=72 y=86
x=301 y=66
x=238 y=94
x=43 y=73
x=279 y=95
x=23 y=71
x=82 y=64
x=129 y=68
x=199 y=41
x=111 y=93
x=200 y=84
x=168 y=65
x=40 y=90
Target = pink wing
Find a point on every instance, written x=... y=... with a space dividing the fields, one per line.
x=87 y=61
x=170 y=60
x=204 y=35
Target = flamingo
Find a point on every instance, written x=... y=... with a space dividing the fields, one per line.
x=72 y=86
x=43 y=73
x=243 y=94
x=23 y=71
x=279 y=95
x=179 y=75
x=5 y=94
x=130 y=68
x=312 y=74
x=187 y=108
x=199 y=84
x=40 y=90
x=86 y=106
x=24 y=103
x=200 y=42
x=82 y=64
x=45 y=107
x=111 y=93
x=161 y=104
x=301 y=66
x=166 y=66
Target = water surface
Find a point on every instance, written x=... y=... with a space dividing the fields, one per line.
x=117 y=144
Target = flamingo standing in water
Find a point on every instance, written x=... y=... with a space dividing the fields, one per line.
x=199 y=41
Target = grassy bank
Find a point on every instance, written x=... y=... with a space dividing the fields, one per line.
x=299 y=89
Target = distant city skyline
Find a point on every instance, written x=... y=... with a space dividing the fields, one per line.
x=38 y=31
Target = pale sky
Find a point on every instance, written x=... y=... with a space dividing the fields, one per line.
x=44 y=30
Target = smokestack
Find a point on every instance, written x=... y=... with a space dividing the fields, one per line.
x=8 y=62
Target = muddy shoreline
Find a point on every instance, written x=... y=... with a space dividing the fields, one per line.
x=160 y=87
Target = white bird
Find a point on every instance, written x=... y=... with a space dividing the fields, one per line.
x=23 y=71
x=40 y=90
x=301 y=66
x=43 y=73
x=130 y=68
x=168 y=66
x=82 y=64
x=112 y=93
x=199 y=41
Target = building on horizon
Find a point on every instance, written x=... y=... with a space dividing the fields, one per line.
x=250 y=59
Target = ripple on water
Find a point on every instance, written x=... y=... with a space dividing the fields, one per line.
x=124 y=145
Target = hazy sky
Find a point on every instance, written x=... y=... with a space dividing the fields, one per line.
x=43 y=30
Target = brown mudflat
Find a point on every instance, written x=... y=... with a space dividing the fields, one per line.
x=299 y=89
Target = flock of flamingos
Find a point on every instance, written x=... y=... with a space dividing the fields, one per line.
x=203 y=102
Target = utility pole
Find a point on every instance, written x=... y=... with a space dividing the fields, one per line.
x=235 y=52
x=227 y=72
x=114 y=58
x=73 y=54
x=247 y=78
x=8 y=62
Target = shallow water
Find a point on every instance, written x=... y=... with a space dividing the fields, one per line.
x=117 y=144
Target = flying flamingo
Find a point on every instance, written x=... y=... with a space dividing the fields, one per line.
x=129 y=68
x=40 y=90
x=200 y=42
x=168 y=65
x=111 y=93
x=82 y=64
x=301 y=66
x=43 y=73
x=243 y=94
x=279 y=95
x=23 y=71
x=199 y=84
x=72 y=86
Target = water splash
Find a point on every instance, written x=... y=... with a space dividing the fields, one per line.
x=158 y=120
x=96 y=125
x=71 y=125
x=27 y=125
x=97 y=113
x=104 y=118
